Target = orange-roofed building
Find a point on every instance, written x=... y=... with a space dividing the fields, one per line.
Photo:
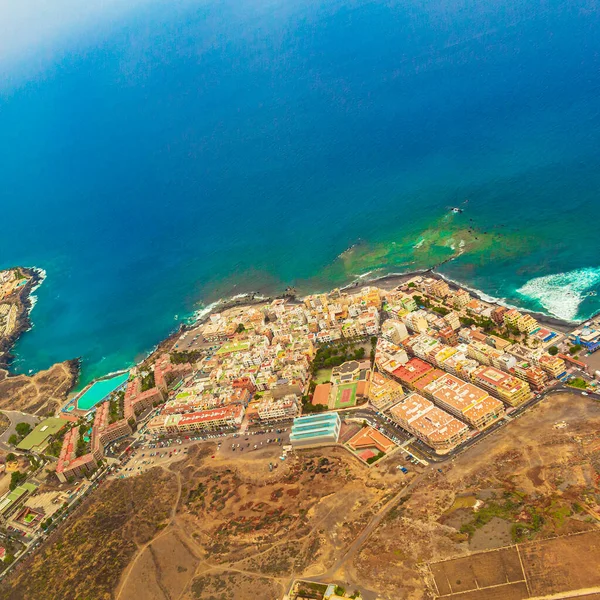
x=434 y=426
x=509 y=389
x=413 y=370
x=368 y=437
x=421 y=383
x=465 y=400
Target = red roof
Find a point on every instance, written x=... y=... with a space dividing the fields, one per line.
x=412 y=370
x=227 y=412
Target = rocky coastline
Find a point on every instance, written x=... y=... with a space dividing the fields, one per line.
x=22 y=298
x=17 y=391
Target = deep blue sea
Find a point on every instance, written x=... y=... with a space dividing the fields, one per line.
x=153 y=162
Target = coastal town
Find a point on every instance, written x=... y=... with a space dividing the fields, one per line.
x=421 y=369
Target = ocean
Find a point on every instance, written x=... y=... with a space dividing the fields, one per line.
x=154 y=163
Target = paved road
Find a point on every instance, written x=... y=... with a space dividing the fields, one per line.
x=15 y=417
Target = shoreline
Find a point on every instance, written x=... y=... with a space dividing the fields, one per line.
x=26 y=301
x=391 y=280
x=385 y=281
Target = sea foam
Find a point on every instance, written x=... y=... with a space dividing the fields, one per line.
x=561 y=294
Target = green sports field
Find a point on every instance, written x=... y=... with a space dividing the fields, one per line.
x=346 y=395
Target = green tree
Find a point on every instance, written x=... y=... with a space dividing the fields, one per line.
x=240 y=328
x=16 y=478
x=13 y=440
x=148 y=381
x=574 y=349
x=81 y=447
x=11 y=456
x=23 y=429
x=553 y=351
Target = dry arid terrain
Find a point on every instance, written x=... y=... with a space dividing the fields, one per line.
x=84 y=559
x=215 y=527
x=536 y=478
x=41 y=393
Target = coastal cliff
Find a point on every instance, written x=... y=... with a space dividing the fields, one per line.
x=20 y=301
x=42 y=393
x=46 y=390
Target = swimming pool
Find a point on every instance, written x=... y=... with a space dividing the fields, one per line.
x=99 y=390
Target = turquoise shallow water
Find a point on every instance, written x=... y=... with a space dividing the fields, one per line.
x=169 y=157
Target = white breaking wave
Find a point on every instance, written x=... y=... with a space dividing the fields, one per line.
x=33 y=299
x=199 y=314
x=562 y=294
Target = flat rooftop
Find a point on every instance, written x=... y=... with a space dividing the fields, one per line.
x=457 y=393
x=42 y=432
x=427 y=419
x=412 y=370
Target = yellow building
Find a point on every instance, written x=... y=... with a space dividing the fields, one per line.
x=384 y=392
x=553 y=365
x=482 y=353
x=527 y=324
x=511 y=318
x=461 y=299
x=509 y=389
x=444 y=354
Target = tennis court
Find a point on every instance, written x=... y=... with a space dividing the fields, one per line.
x=346 y=395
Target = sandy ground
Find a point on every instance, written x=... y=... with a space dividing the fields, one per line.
x=238 y=530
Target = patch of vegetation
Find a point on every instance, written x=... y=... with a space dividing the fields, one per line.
x=309 y=407
x=574 y=349
x=506 y=509
x=148 y=381
x=116 y=407
x=23 y=429
x=486 y=324
x=334 y=355
x=553 y=350
x=82 y=447
x=374 y=459
x=577 y=382
x=178 y=358
x=16 y=479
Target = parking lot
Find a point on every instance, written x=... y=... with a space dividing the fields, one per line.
x=192 y=341
x=254 y=441
x=153 y=452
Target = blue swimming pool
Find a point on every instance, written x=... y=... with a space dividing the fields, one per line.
x=100 y=390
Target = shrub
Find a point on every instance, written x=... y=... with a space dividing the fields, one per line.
x=23 y=429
